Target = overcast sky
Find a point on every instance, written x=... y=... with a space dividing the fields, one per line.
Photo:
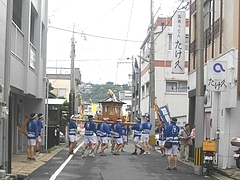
x=101 y=28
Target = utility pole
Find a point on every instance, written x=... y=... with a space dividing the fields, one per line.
x=72 y=84
x=133 y=115
x=6 y=132
x=199 y=112
x=152 y=80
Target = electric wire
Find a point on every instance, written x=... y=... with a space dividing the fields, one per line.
x=100 y=67
x=157 y=11
x=96 y=36
x=125 y=44
x=116 y=39
x=62 y=6
x=169 y=20
x=106 y=13
x=129 y=24
x=89 y=59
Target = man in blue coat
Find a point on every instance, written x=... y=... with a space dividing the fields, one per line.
x=117 y=135
x=89 y=138
x=125 y=132
x=104 y=136
x=40 y=133
x=32 y=135
x=72 y=135
x=137 y=128
x=146 y=126
x=98 y=137
x=171 y=134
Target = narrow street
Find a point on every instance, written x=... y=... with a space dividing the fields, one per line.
x=117 y=167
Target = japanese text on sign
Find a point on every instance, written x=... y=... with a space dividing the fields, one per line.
x=164 y=114
x=178 y=43
x=217 y=76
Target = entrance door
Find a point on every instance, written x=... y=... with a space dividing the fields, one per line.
x=19 y=122
x=208 y=125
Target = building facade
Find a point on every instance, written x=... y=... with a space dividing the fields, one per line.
x=61 y=86
x=126 y=97
x=170 y=89
x=23 y=41
x=221 y=101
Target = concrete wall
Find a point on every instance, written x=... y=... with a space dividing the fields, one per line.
x=223 y=107
x=3 y=12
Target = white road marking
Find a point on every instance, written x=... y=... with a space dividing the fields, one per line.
x=54 y=176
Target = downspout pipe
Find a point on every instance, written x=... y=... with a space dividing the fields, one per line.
x=7 y=153
x=46 y=112
x=238 y=73
x=13 y=176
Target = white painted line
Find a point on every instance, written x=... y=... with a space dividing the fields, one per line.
x=54 y=176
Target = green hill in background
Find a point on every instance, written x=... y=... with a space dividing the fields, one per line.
x=94 y=93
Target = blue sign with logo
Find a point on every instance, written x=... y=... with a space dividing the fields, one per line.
x=217 y=76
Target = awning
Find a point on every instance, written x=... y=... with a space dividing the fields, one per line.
x=55 y=101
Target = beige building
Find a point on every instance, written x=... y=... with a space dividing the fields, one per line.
x=221 y=74
x=62 y=86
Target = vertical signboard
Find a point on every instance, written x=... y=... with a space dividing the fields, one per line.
x=217 y=76
x=164 y=114
x=178 y=42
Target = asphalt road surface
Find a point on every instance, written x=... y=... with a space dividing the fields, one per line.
x=111 y=167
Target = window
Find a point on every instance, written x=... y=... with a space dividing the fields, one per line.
x=147 y=89
x=176 y=86
x=32 y=25
x=182 y=86
x=17 y=12
x=143 y=92
x=171 y=87
x=32 y=59
x=43 y=41
x=170 y=42
x=62 y=92
x=208 y=14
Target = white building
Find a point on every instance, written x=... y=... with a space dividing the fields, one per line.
x=126 y=97
x=170 y=89
x=23 y=39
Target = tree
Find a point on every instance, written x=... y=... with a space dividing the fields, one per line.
x=64 y=113
x=99 y=91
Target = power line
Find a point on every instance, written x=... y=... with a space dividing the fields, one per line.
x=184 y=7
x=107 y=12
x=129 y=23
x=169 y=20
x=124 y=48
x=96 y=36
x=62 y=6
x=88 y=59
